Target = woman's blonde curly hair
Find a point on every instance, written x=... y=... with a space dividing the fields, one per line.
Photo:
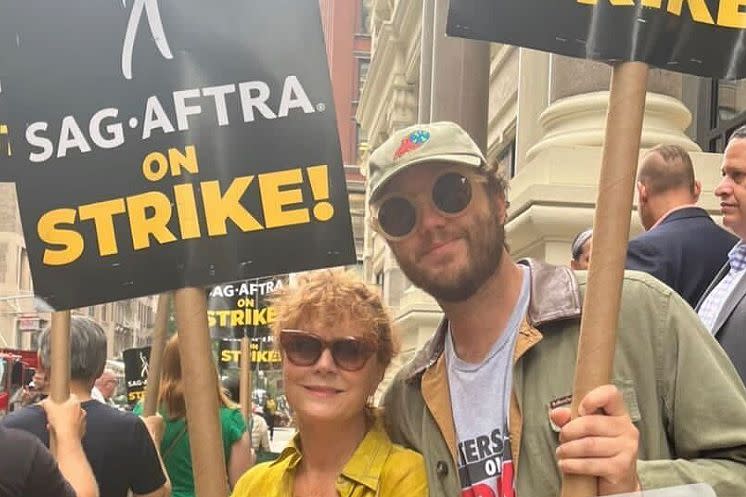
x=327 y=298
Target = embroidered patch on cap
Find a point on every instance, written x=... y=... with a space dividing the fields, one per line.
x=412 y=142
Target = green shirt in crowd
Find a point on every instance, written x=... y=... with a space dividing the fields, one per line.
x=175 y=448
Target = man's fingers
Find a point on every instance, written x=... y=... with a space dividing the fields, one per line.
x=589 y=447
x=606 y=398
x=592 y=426
x=599 y=467
x=560 y=416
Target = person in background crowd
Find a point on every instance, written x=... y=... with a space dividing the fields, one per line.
x=336 y=341
x=37 y=390
x=723 y=306
x=491 y=389
x=27 y=469
x=105 y=387
x=175 y=442
x=119 y=445
x=270 y=415
x=581 y=250
x=259 y=432
x=682 y=246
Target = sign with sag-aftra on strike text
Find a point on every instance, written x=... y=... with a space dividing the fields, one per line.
x=701 y=37
x=158 y=145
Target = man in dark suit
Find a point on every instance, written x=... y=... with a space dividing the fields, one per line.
x=682 y=245
x=723 y=306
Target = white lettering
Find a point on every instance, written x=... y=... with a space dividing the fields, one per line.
x=183 y=111
x=115 y=132
x=219 y=93
x=155 y=117
x=71 y=137
x=259 y=102
x=294 y=97
x=38 y=141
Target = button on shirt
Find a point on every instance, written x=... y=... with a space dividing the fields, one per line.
x=713 y=304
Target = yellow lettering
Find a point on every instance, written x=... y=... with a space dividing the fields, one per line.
x=260 y=316
x=225 y=356
x=730 y=14
x=143 y=226
x=698 y=9
x=177 y=160
x=274 y=199
x=186 y=209
x=103 y=214
x=219 y=208
x=237 y=318
x=211 y=319
x=613 y=2
x=49 y=232
x=223 y=315
x=161 y=163
x=271 y=315
x=652 y=3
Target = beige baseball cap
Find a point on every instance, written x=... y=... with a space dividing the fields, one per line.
x=433 y=142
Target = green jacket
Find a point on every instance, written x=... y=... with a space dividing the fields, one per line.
x=682 y=392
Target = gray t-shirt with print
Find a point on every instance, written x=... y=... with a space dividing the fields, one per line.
x=480 y=398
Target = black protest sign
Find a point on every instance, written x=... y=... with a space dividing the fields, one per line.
x=159 y=145
x=136 y=363
x=263 y=354
x=701 y=37
x=242 y=308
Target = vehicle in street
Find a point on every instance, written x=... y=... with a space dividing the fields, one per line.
x=17 y=368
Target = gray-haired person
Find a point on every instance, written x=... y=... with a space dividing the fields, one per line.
x=581 y=250
x=118 y=445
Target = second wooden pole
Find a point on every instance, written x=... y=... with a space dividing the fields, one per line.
x=610 y=235
x=201 y=396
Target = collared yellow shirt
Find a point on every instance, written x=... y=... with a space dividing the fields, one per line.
x=377 y=468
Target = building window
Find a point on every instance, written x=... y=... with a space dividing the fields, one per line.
x=361 y=141
x=506 y=160
x=363 y=17
x=722 y=106
x=362 y=75
x=3 y=262
x=24 y=272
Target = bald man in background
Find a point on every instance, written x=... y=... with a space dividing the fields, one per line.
x=682 y=246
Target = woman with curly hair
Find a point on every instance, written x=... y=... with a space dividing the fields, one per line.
x=336 y=341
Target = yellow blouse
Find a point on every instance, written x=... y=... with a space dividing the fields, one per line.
x=378 y=468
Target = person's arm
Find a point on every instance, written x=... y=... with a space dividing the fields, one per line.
x=148 y=476
x=241 y=458
x=155 y=427
x=704 y=406
x=67 y=424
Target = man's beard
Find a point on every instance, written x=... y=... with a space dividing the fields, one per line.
x=485 y=239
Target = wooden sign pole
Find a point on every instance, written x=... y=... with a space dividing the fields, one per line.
x=59 y=369
x=200 y=394
x=245 y=380
x=158 y=343
x=610 y=236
